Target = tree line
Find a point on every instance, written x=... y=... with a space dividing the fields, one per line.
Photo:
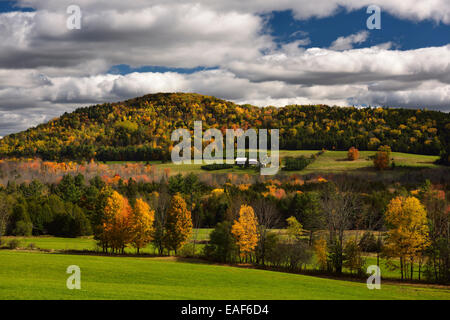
x=408 y=224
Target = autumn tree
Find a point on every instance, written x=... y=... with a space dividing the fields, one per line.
x=353 y=259
x=178 y=227
x=141 y=224
x=353 y=154
x=294 y=229
x=245 y=231
x=116 y=222
x=320 y=250
x=382 y=158
x=408 y=234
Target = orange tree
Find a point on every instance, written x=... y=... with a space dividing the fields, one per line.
x=178 y=226
x=116 y=222
x=353 y=154
x=382 y=158
x=141 y=224
x=245 y=231
x=408 y=234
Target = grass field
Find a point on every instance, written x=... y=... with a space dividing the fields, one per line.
x=54 y=244
x=84 y=243
x=329 y=162
x=33 y=275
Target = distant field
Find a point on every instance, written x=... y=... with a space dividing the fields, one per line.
x=25 y=275
x=329 y=162
x=86 y=243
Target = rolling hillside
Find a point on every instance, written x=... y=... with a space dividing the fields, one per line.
x=140 y=128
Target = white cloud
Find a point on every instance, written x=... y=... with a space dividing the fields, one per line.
x=346 y=43
x=46 y=69
x=437 y=10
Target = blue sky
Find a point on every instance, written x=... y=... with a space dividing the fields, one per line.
x=261 y=52
x=406 y=34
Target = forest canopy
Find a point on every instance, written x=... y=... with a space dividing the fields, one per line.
x=139 y=129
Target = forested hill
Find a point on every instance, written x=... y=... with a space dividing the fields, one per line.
x=140 y=128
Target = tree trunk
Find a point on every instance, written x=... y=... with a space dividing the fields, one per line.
x=401 y=268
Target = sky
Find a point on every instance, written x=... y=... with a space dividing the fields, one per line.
x=255 y=51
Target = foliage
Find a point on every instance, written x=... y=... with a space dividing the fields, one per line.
x=294 y=164
x=141 y=224
x=221 y=246
x=321 y=252
x=139 y=129
x=216 y=166
x=353 y=259
x=179 y=224
x=116 y=223
x=382 y=158
x=368 y=242
x=294 y=228
x=353 y=154
x=245 y=231
x=409 y=233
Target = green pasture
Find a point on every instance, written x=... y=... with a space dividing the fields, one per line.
x=37 y=275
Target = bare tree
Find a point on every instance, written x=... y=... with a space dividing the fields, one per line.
x=268 y=217
x=340 y=204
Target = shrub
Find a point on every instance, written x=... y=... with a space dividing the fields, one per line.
x=293 y=164
x=13 y=244
x=368 y=242
x=216 y=166
x=382 y=158
x=187 y=251
x=353 y=154
x=23 y=228
x=31 y=246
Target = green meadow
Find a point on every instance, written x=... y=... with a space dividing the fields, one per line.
x=88 y=245
x=37 y=275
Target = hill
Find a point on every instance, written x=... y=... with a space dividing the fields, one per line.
x=140 y=128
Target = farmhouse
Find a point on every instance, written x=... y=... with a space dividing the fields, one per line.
x=241 y=161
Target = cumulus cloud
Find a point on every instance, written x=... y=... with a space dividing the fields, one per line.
x=46 y=69
x=345 y=43
x=437 y=10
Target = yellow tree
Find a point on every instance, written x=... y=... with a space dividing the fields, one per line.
x=178 y=224
x=141 y=224
x=245 y=231
x=408 y=234
x=294 y=228
x=116 y=222
x=320 y=249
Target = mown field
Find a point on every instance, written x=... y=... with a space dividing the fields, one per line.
x=329 y=162
x=34 y=275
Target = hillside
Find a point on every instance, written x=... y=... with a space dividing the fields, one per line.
x=140 y=128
